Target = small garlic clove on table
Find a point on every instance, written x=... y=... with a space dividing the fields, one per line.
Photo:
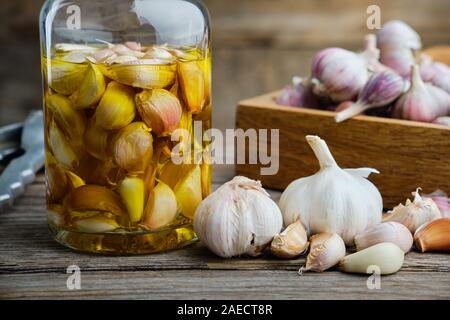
x=326 y=250
x=433 y=236
x=292 y=242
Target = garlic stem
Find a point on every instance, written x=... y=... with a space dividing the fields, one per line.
x=322 y=152
x=350 y=112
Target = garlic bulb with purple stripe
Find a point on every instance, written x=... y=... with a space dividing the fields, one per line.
x=381 y=89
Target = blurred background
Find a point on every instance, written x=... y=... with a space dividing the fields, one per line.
x=258 y=44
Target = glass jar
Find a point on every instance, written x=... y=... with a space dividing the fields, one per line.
x=126 y=86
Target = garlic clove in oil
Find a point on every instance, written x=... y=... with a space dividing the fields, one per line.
x=91 y=89
x=393 y=232
x=292 y=242
x=416 y=213
x=326 y=250
x=98 y=224
x=433 y=236
x=188 y=192
x=385 y=256
x=160 y=110
x=237 y=219
x=62 y=150
x=116 y=108
x=132 y=191
x=161 y=207
x=192 y=81
x=64 y=77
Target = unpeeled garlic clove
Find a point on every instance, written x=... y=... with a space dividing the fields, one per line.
x=161 y=208
x=116 y=108
x=192 y=81
x=55 y=215
x=145 y=76
x=95 y=198
x=74 y=181
x=416 y=213
x=206 y=170
x=91 y=89
x=61 y=148
x=393 y=232
x=132 y=191
x=96 y=140
x=386 y=256
x=160 y=110
x=292 y=242
x=433 y=236
x=98 y=224
x=56 y=182
x=133 y=148
x=188 y=192
x=326 y=250
x=172 y=173
x=64 y=77
x=72 y=121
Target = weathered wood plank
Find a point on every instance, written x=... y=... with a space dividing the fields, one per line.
x=222 y=284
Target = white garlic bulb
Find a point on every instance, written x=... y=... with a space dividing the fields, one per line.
x=238 y=219
x=335 y=200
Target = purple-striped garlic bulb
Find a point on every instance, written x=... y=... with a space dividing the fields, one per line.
x=397 y=42
x=299 y=94
x=381 y=89
x=434 y=72
x=338 y=74
x=423 y=101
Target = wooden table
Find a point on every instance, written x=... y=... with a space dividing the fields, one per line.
x=34 y=266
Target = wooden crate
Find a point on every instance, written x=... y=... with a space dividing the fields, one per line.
x=408 y=154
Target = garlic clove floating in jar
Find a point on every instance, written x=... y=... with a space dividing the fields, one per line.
x=327 y=249
x=292 y=242
x=239 y=218
x=393 y=232
x=333 y=199
x=433 y=236
x=416 y=213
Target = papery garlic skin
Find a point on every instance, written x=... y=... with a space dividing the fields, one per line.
x=292 y=242
x=433 y=236
x=327 y=249
x=386 y=256
x=393 y=232
x=333 y=199
x=238 y=219
x=416 y=213
x=381 y=89
x=299 y=94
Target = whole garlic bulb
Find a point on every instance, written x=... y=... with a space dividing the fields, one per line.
x=333 y=199
x=398 y=34
x=238 y=219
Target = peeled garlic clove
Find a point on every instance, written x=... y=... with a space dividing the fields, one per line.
x=95 y=198
x=161 y=208
x=133 y=148
x=292 y=242
x=61 y=148
x=326 y=250
x=64 y=77
x=142 y=75
x=96 y=140
x=433 y=236
x=393 y=232
x=386 y=256
x=74 y=181
x=56 y=182
x=125 y=50
x=172 y=173
x=159 y=53
x=160 y=110
x=416 y=213
x=55 y=215
x=97 y=224
x=120 y=59
x=192 y=81
x=116 y=108
x=73 y=122
x=68 y=47
x=132 y=191
x=206 y=170
x=102 y=55
x=90 y=90
x=188 y=192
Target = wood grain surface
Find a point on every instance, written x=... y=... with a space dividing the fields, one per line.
x=33 y=266
x=408 y=154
